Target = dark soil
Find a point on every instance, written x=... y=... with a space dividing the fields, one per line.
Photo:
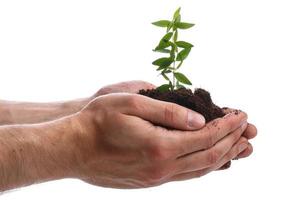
x=199 y=101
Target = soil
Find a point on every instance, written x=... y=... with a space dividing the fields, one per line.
x=199 y=101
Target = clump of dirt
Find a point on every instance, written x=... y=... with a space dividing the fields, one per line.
x=199 y=101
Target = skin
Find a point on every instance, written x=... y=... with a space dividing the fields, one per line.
x=84 y=146
x=13 y=112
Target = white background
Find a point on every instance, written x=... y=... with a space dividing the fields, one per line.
x=246 y=53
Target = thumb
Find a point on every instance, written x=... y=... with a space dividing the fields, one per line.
x=164 y=113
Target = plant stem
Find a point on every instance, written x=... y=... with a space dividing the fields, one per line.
x=173 y=87
x=174 y=63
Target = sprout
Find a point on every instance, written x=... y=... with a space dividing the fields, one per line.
x=177 y=52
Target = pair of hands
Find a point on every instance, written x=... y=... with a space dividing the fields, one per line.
x=118 y=145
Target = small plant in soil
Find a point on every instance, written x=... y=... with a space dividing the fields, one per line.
x=175 y=52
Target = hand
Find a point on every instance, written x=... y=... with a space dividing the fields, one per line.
x=127 y=87
x=120 y=143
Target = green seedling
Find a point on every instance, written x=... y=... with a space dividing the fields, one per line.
x=176 y=50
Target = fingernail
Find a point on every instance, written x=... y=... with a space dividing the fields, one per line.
x=243 y=146
x=195 y=120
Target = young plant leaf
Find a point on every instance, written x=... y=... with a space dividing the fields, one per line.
x=176 y=13
x=184 y=44
x=177 y=19
x=167 y=36
x=162 y=45
x=163 y=62
x=162 y=50
x=182 y=78
x=167 y=71
x=170 y=26
x=162 y=23
x=183 y=25
x=175 y=36
x=164 y=42
x=183 y=54
x=164 y=88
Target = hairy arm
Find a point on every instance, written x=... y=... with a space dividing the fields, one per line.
x=27 y=113
x=35 y=153
x=12 y=112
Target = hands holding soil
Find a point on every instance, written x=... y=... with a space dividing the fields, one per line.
x=121 y=140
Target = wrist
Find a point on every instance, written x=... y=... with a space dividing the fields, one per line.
x=76 y=105
x=37 y=153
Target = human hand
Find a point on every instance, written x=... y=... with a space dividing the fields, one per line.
x=120 y=143
x=135 y=86
x=124 y=87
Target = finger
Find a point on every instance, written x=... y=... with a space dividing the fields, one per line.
x=209 y=135
x=226 y=166
x=236 y=149
x=203 y=159
x=247 y=152
x=250 y=132
x=128 y=87
x=162 y=113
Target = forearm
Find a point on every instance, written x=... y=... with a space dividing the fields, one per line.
x=22 y=112
x=36 y=153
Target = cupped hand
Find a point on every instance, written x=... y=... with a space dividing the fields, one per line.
x=124 y=87
x=122 y=143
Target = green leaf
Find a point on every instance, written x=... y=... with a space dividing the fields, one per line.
x=170 y=26
x=166 y=71
x=177 y=19
x=182 y=78
x=162 y=50
x=183 y=25
x=162 y=45
x=184 y=44
x=175 y=36
x=162 y=23
x=176 y=13
x=183 y=54
x=163 y=62
x=164 y=42
x=160 y=68
x=167 y=36
x=164 y=88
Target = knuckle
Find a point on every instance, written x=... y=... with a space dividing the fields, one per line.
x=158 y=150
x=169 y=112
x=210 y=139
x=213 y=156
x=133 y=101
